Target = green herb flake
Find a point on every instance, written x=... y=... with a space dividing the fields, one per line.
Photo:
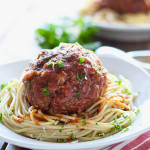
x=115 y=119
x=119 y=82
x=45 y=91
x=10 y=114
x=73 y=138
x=80 y=76
x=51 y=63
x=126 y=129
x=82 y=60
x=95 y=72
x=127 y=91
x=137 y=112
x=62 y=126
x=92 y=139
x=83 y=122
x=96 y=123
x=0 y=116
x=3 y=85
x=78 y=95
x=121 y=122
x=59 y=63
x=130 y=120
x=28 y=89
x=112 y=130
x=125 y=116
x=60 y=130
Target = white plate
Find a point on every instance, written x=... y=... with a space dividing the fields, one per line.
x=124 y=32
x=118 y=63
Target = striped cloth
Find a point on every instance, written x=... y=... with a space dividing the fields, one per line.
x=141 y=142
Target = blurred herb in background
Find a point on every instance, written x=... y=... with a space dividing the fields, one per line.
x=69 y=31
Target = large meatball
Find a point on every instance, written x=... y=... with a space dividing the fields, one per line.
x=67 y=79
x=122 y=6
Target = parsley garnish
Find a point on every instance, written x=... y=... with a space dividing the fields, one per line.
x=115 y=120
x=137 y=112
x=51 y=63
x=80 y=76
x=0 y=116
x=130 y=120
x=78 y=95
x=28 y=89
x=96 y=123
x=92 y=139
x=59 y=64
x=82 y=60
x=83 y=122
x=117 y=126
x=72 y=136
x=119 y=82
x=125 y=116
x=46 y=92
x=60 y=130
x=127 y=91
x=3 y=85
x=62 y=126
x=126 y=129
x=95 y=72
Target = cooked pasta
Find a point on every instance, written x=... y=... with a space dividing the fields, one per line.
x=112 y=113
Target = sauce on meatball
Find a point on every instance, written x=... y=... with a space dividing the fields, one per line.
x=66 y=80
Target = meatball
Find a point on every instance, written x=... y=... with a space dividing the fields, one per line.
x=67 y=80
x=123 y=6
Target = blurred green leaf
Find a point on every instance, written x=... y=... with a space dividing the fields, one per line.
x=70 y=31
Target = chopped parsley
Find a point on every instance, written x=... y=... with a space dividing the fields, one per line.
x=119 y=82
x=126 y=129
x=125 y=116
x=115 y=120
x=73 y=138
x=137 y=112
x=100 y=135
x=82 y=60
x=95 y=72
x=10 y=114
x=96 y=123
x=28 y=89
x=78 y=95
x=62 y=126
x=83 y=122
x=45 y=91
x=0 y=116
x=117 y=125
x=59 y=64
x=51 y=64
x=127 y=91
x=80 y=76
x=92 y=139
x=60 y=130
x=130 y=120
x=3 y=85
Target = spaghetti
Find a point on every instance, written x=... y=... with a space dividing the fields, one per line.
x=111 y=114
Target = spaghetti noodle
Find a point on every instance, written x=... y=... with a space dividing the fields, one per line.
x=112 y=113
